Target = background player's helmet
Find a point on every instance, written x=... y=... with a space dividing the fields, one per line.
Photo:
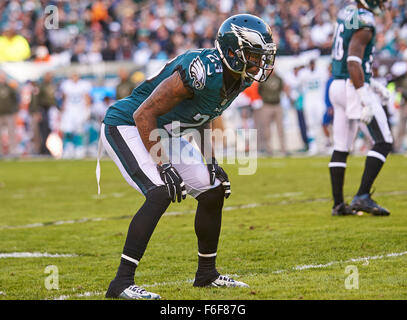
x=375 y=6
x=245 y=41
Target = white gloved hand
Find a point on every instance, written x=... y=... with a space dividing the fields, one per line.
x=381 y=90
x=367 y=109
x=367 y=114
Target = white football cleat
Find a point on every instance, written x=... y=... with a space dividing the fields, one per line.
x=135 y=292
x=225 y=281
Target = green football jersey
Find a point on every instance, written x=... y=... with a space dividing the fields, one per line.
x=201 y=70
x=351 y=19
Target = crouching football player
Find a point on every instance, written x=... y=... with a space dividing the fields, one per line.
x=190 y=91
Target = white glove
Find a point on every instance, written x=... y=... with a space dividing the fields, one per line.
x=367 y=109
x=381 y=90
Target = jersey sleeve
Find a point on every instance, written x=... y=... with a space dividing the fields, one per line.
x=193 y=72
x=199 y=71
x=366 y=20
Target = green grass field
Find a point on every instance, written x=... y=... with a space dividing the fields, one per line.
x=278 y=234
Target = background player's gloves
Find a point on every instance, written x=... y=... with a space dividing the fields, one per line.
x=216 y=171
x=381 y=90
x=173 y=181
x=367 y=109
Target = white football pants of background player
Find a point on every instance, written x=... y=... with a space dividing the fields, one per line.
x=314 y=112
x=347 y=111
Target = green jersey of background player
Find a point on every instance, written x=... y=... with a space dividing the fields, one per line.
x=351 y=19
x=355 y=105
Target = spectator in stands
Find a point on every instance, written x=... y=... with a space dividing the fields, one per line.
x=14 y=47
x=79 y=52
x=8 y=112
x=302 y=25
x=321 y=34
x=111 y=52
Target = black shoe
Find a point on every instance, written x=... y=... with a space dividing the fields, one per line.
x=365 y=203
x=116 y=288
x=204 y=279
x=342 y=209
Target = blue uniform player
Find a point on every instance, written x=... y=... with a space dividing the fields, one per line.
x=356 y=104
x=143 y=134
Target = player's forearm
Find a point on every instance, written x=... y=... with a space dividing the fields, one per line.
x=146 y=124
x=356 y=52
x=163 y=99
x=145 y=119
x=206 y=145
x=356 y=74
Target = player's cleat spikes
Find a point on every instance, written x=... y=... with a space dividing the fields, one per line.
x=135 y=292
x=365 y=203
x=225 y=281
x=342 y=209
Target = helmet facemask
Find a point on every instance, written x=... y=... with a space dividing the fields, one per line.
x=258 y=63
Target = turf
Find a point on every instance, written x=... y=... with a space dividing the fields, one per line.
x=278 y=234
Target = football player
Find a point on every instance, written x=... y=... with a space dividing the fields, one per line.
x=312 y=80
x=189 y=92
x=355 y=104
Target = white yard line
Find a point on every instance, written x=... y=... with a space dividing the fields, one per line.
x=177 y=213
x=52 y=223
x=35 y=255
x=326 y=265
x=295 y=268
x=79 y=295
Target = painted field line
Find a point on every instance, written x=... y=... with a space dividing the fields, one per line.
x=35 y=255
x=296 y=268
x=326 y=265
x=52 y=223
x=79 y=295
x=177 y=213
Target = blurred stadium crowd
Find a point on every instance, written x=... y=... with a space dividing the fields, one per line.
x=92 y=32
x=105 y=30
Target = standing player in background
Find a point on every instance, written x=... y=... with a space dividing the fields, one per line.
x=189 y=92
x=354 y=101
x=313 y=80
x=75 y=113
x=297 y=101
